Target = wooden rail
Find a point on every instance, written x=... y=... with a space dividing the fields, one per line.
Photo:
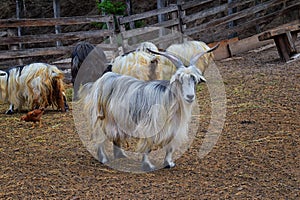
x=14 y=23
x=51 y=37
x=214 y=18
x=205 y=20
x=284 y=37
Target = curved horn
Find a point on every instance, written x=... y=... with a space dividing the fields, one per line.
x=195 y=58
x=176 y=61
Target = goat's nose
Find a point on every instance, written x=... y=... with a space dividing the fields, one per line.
x=190 y=96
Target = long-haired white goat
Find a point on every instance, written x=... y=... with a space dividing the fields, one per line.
x=158 y=112
x=187 y=50
x=33 y=85
x=145 y=66
x=139 y=63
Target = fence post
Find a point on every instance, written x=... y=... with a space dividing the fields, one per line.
x=161 y=4
x=13 y=32
x=56 y=9
x=112 y=26
x=129 y=12
x=19 y=14
x=181 y=15
x=232 y=23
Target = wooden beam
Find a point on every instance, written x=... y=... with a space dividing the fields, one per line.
x=170 y=8
x=293 y=26
x=205 y=13
x=30 y=39
x=14 y=23
x=223 y=33
x=235 y=16
x=191 y=4
x=246 y=45
x=56 y=12
x=13 y=54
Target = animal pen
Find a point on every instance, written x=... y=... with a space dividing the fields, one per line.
x=210 y=21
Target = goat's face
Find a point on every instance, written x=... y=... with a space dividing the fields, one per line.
x=188 y=78
x=188 y=87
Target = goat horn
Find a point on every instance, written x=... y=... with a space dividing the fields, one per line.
x=176 y=61
x=194 y=59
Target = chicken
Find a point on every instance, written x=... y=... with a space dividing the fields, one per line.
x=34 y=116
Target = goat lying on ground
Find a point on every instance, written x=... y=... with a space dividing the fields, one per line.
x=35 y=85
x=118 y=107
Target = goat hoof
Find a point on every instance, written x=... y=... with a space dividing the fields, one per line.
x=103 y=160
x=169 y=165
x=120 y=155
x=147 y=167
x=9 y=112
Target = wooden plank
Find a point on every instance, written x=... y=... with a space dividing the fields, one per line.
x=291 y=42
x=223 y=51
x=290 y=27
x=247 y=44
x=168 y=23
x=170 y=8
x=212 y=11
x=191 y=4
x=235 y=16
x=223 y=33
x=3 y=34
x=282 y=48
x=165 y=39
x=139 y=31
x=13 y=54
x=205 y=13
x=80 y=35
x=14 y=23
x=239 y=3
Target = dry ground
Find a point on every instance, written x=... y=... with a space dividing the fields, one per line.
x=257 y=155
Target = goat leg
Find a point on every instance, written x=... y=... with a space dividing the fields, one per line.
x=146 y=164
x=11 y=110
x=168 y=163
x=102 y=156
x=118 y=151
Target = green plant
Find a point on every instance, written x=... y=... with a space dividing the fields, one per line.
x=108 y=7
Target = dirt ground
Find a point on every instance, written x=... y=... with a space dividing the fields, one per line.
x=256 y=157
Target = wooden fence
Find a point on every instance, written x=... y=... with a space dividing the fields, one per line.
x=12 y=40
x=205 y=20
x=211 y=21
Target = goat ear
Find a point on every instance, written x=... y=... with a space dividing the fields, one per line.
x=174 y=78
x=176 y=61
